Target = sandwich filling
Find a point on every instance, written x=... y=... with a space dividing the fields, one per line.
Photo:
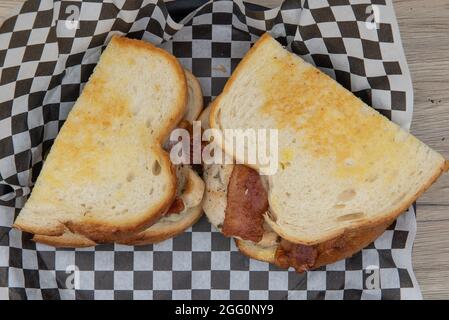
x=189 y=193
x=189 y=187
x=247 y=203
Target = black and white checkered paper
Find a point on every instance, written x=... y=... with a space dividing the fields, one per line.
x=49 y=50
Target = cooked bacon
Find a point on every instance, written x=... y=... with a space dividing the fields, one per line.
x=303 y=258
x=298 y=256
x=247 y=202
x=176 y=207
x=184 y=124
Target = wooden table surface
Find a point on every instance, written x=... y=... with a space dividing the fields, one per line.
x=425 y=34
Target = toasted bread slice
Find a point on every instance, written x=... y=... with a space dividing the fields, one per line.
x=107 y=175
x=342 y=165
x=190 y=188
x=169 y=226
x=191 y=192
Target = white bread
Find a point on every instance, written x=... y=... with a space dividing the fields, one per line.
x=255 y=251
x=194 y=97
x=107 y=175
x=342 y=165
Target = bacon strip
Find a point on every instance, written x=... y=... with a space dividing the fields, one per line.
x=247 y=202
x=184 y=124
x=303 y=258
x=177 y=206
x=298 y=256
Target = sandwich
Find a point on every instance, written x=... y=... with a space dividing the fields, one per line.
x=107 y=176
x=344 y=173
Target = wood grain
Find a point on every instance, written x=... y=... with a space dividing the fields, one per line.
x=7 y=7
x=424 y=28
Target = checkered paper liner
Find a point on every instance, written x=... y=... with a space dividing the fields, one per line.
x=44 y=65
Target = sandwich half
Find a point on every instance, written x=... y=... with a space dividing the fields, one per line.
x=184 y=211
x=345 y=172
x=107 y=176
